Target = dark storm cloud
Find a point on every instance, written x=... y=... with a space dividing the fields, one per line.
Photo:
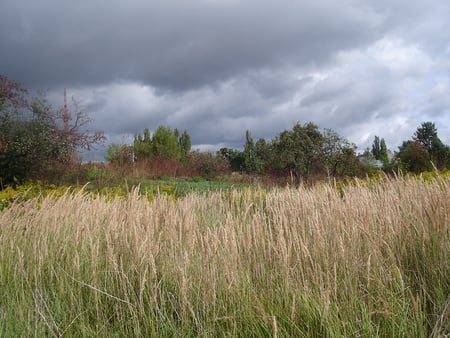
x=219 y=67
x=172 y=44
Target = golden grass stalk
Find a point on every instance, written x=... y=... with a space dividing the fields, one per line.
x=221 y=255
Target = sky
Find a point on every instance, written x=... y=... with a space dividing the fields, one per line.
x=217 y=68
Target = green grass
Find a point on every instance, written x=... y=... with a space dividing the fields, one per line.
x=363 y=260
x=180 y=187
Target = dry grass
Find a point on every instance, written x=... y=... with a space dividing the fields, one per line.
x=372 y=260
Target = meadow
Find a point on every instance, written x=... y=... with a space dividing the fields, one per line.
x=363 y=259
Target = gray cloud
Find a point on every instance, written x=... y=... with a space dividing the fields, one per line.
x=217 y=68
x=174 y=44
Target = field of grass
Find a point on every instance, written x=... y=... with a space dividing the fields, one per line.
x=180 y=187
x=175 y=188
x=371 y=258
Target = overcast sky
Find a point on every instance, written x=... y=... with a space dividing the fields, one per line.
x=219 y=67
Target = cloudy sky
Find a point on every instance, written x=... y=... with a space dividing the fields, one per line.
x=219 y=67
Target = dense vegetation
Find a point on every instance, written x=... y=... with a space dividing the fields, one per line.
x=39 y=142
x=165 y=241
x=363 y=259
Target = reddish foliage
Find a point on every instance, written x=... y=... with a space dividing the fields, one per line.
x=74 y=133
x=11 y=93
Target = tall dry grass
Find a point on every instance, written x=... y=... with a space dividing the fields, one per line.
x=369 y=259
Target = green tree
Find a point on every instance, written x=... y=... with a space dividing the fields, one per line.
x=165 y=143
x=379 y=150
x=349 y=164
x=263 y=156
x=235 y=158
x=185 y=144
x=442 y=155
x=414 y=157
x=146 y=139
x=427 y=136
x=338 y=154
x=27 y=149
x=120 y=154
x=424 y=151
x=142 y=145
x=249 y=153
x=37 y=141
x=297 y=150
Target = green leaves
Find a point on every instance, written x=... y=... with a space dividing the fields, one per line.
x=424 y=151
x=299 y=148
x=298 y=152
x=37 y=141
x=164 y=142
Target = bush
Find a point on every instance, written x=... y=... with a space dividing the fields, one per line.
x=208 y=165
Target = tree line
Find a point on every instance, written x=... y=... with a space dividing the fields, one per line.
x=38 y=141
x=164 y=143
x=300 y=152
x=303 y=152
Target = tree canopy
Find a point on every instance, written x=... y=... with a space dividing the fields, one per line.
x=165 y=143
x=36 y=140
x=425 y=150
x=298 y=152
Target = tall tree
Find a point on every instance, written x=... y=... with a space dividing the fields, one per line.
x=438 y=152
x=379 y=149
x=297 y=150
x=427 y=136
x=338 y=154
x=185 y=144
x=142 y=145
x=414 y=157
x=235 y=158
x=35 y=139
x=262 y=156
x=376 y=148
x=424 y=151
x=165 y=143
x=384 y=151
x=249 y=153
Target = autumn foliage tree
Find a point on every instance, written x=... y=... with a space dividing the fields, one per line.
x=37 y=141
